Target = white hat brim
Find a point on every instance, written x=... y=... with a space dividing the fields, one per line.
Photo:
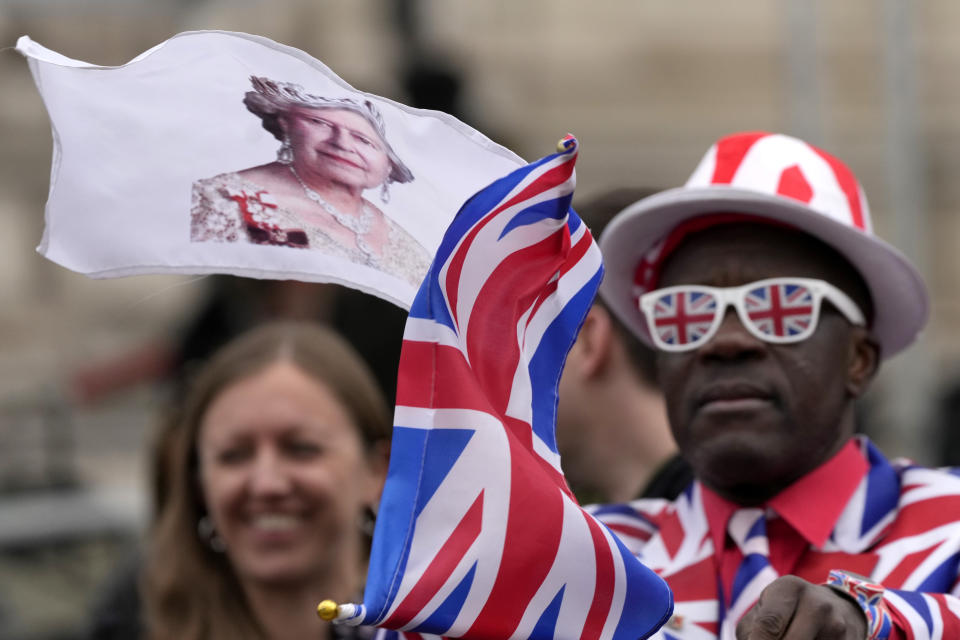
x=899 y=296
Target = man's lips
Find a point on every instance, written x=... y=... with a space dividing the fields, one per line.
x=733 y=396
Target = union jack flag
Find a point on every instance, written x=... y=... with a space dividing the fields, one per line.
x=684 y=317
x=780 y=310
x=478 y=535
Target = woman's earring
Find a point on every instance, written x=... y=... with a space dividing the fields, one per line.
x=209 y=535
x=385 y=192
x=285 y=152
x=367 y=521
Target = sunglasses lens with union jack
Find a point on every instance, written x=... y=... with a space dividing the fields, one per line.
x=779 y=310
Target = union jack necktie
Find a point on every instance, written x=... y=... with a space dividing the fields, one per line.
x=748 y=529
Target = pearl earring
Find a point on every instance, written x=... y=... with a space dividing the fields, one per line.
x=285 y=152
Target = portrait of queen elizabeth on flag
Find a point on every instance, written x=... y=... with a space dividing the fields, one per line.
x=326 y=184
x=312 y=196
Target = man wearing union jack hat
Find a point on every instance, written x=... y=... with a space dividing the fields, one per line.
x=772 y=305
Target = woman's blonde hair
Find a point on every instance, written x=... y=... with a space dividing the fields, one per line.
x=191 y=591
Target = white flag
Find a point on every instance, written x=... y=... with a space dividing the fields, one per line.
x=220 y=152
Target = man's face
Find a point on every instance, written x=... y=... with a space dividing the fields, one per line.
x=751 y=417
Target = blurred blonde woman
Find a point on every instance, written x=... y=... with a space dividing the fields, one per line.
x=278 y=462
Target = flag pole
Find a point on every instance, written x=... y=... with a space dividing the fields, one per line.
x=350 y=614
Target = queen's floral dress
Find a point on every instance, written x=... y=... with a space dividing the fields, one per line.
x=228 y=208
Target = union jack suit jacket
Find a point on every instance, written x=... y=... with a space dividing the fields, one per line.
x=900 y=529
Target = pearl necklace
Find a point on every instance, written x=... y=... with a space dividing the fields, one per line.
x=360 y=226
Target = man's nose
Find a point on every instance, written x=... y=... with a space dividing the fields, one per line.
x=732 y=340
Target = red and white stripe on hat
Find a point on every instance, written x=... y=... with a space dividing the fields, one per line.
x=779 y=165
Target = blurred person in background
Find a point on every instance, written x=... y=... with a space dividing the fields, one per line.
x=274 y=472
x=232 y=306
x=612 y=430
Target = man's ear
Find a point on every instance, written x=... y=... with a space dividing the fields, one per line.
x=863 y=362
x=593 y=344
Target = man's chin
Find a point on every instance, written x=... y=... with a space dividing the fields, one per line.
x=734 y=458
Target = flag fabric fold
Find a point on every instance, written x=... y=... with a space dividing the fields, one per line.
x=478 y=535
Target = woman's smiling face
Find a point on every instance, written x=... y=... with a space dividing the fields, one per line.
x=284 y=475
x=336 y=145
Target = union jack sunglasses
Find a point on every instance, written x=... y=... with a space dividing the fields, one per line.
x=778 y=310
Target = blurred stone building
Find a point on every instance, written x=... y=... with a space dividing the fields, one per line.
x=646 y=86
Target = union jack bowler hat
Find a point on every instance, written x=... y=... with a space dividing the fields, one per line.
x=782 y=179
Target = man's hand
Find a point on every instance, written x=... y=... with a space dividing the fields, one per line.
x=791 y=608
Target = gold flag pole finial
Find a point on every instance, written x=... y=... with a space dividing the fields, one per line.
x=566 y=142
x=327 y=610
